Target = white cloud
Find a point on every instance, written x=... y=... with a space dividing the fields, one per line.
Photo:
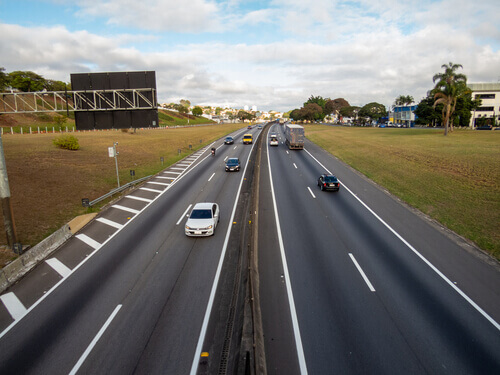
x=194 y=16
x=363 y=54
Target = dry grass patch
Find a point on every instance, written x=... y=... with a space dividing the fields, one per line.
x=453 y=179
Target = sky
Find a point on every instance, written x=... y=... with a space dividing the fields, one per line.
x=271 y=54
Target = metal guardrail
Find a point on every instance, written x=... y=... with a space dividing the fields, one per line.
x=113 y=192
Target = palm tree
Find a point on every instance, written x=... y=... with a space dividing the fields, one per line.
x=449 y=87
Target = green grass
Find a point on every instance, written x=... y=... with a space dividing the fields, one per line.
x=453 y=179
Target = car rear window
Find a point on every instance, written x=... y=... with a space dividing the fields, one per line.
x=330 y=179
x=201 y=214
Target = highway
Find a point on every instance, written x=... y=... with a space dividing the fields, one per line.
x=135 y=299
x=363 y=273
x=349 y=282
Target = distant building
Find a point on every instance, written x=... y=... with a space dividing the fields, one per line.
x=403 y=115
x=489 y=93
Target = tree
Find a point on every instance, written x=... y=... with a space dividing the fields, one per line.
x=334 y=106
x=316 y=114
x=185 y=103
x=312 y=112
x=182 y=109
x=197 y=111
x=404 y=100
x=449 y=87
x=465 y=105
x=4 y=79
x=373 y=110
x=426 y=113
x=244 y=115
x=51 y=85
x=26 y=81
x=351 y=111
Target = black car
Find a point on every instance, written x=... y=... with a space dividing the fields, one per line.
x=232 y=164
x=328 y=182
x=228 y=141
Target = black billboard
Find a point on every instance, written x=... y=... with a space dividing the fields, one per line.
x=108 y=100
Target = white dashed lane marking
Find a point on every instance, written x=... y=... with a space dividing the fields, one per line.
x=152 y=190
x=138 y=198
x=310 y=191
x=58 y=266
x=89 y=241
x=13 y=305
x=110 y=223
x=123 y=208
x=158 y=183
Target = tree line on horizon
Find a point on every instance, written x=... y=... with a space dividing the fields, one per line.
x=448 y=104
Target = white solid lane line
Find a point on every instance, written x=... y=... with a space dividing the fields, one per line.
x=89 y=241
x=85 y=354
x=15 y=307
x=213 y=174
x=204 y=326
x=58 y=266
x=166 y=178
x=123 y=208
x=362 y=273
x=289 y=292
x=183 y=215
x=109 y=222
x=310 y=191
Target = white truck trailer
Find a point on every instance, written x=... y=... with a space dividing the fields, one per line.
x=294 y=136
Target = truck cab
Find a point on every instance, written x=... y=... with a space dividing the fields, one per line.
x=247 y=139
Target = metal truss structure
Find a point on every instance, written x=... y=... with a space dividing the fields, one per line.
x=75 y=101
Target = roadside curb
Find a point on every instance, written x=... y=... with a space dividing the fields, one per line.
x=27 y=261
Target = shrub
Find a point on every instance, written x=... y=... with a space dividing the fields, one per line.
x=67 y=142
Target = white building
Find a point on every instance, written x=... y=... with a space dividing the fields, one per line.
x=489 y=93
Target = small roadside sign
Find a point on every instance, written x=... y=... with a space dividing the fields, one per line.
x=111 y=152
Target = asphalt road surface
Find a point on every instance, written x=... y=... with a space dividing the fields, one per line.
x=350 y=282
x=368 y=285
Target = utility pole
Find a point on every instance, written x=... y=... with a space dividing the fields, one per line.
x=8 y=217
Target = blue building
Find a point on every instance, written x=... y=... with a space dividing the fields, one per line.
x=404 y=115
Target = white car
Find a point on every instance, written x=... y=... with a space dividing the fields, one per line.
x=273 y=141
x=202 y=220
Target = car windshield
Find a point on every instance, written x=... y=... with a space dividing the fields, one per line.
x=232 y=161
x=201 y=214
x=330 y=179
x=229 y=139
